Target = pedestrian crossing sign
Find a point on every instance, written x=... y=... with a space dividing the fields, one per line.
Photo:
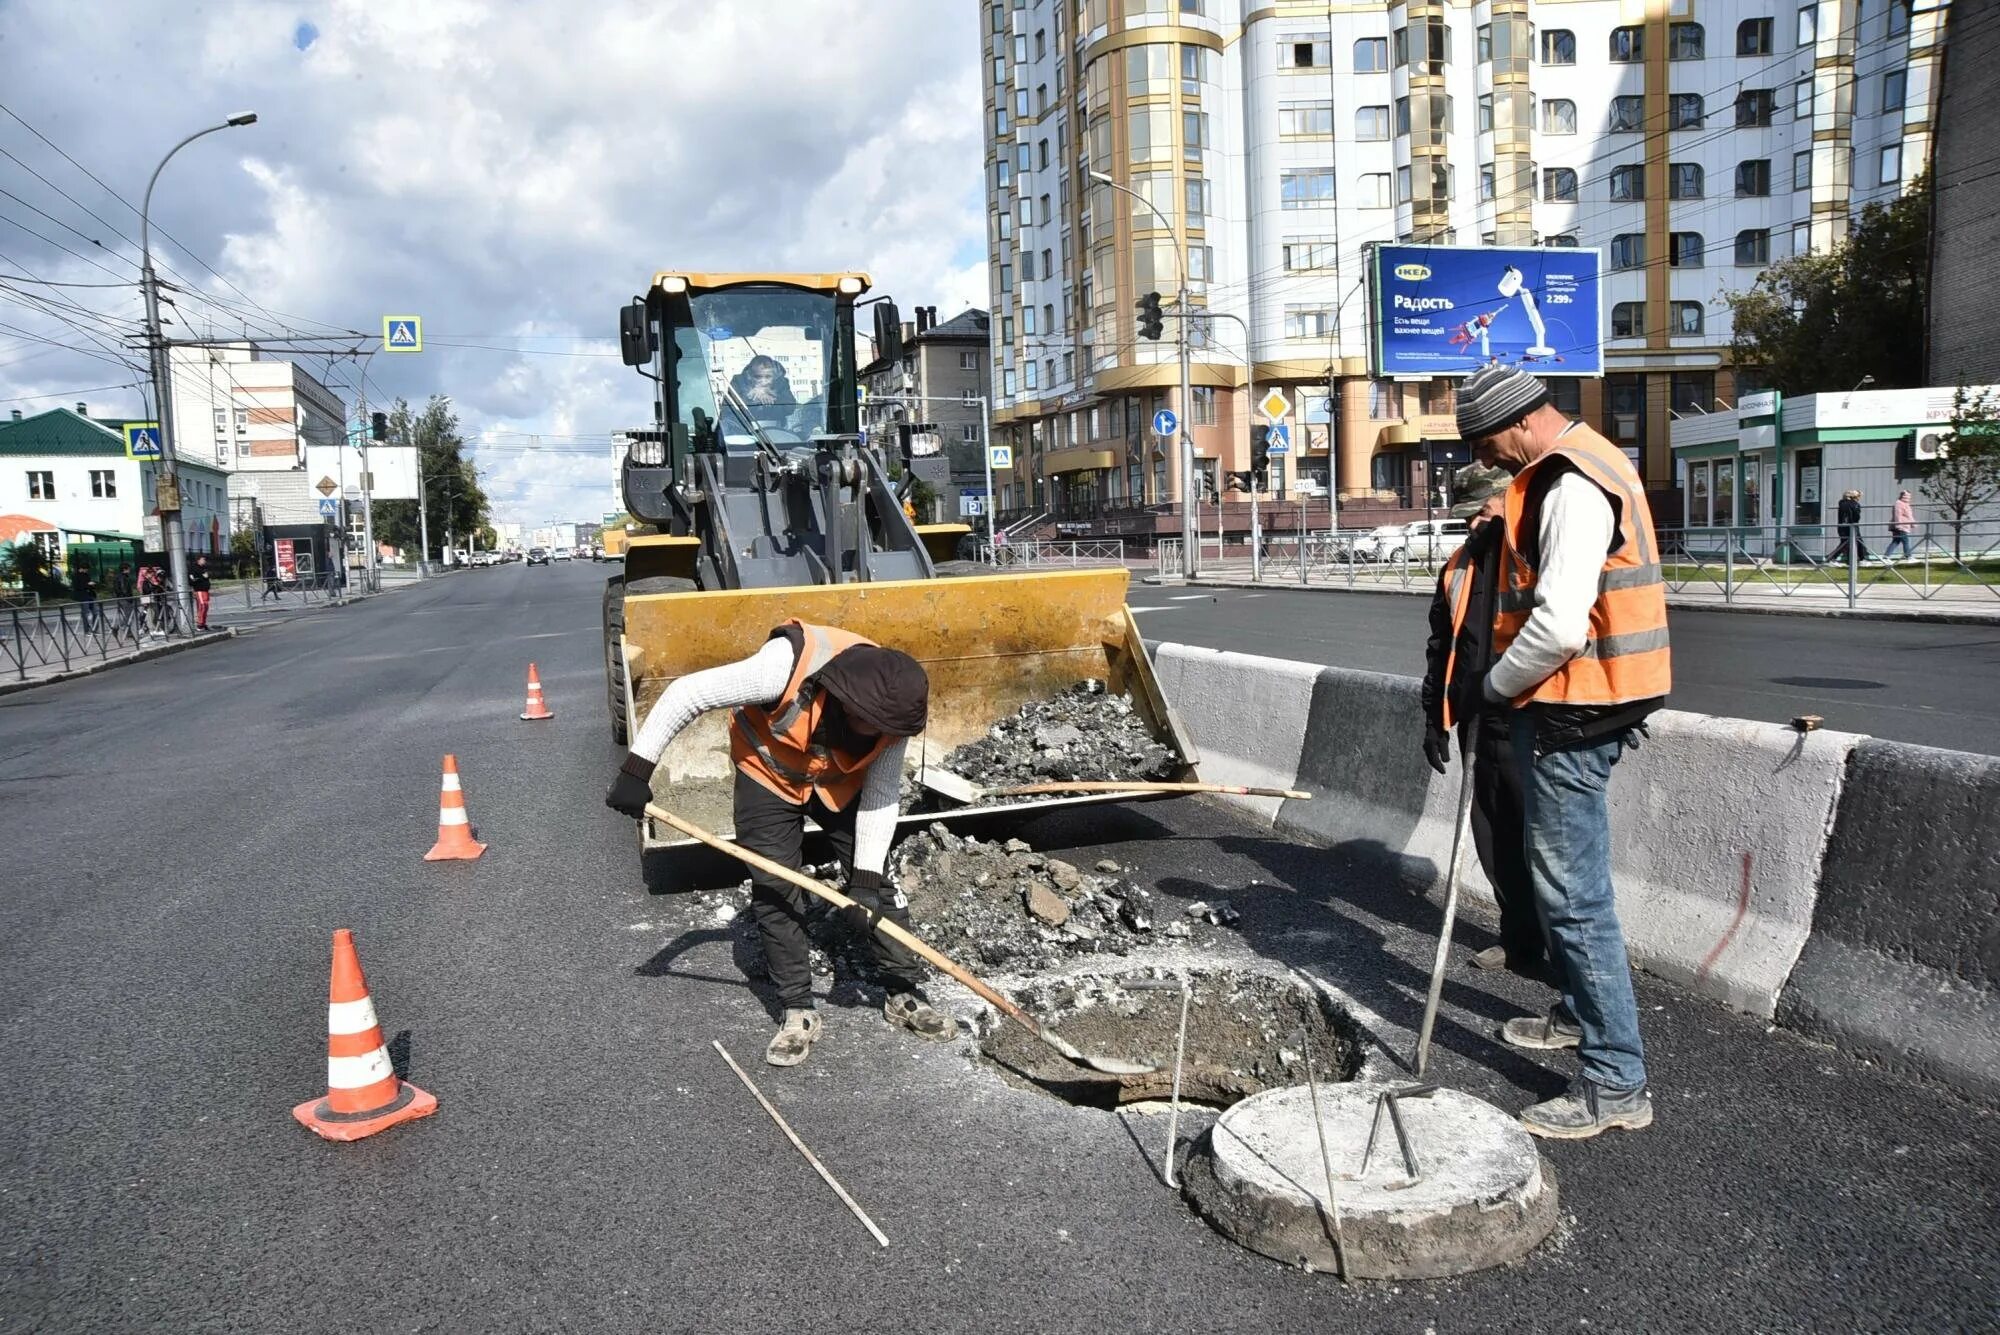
x=402 y=333
x=142 y=440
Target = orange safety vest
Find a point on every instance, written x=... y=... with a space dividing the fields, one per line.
x=1626 y=657
x=774 y=745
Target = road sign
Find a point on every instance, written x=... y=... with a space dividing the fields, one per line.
x=1165 y=423
x=326 y=486
x=329 y=508
x=1274 y=405
x=142 y=440
x=1278 y=440
x=402 y=333
x=1000 y=456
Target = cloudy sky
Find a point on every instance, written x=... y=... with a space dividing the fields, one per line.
x=513 y=172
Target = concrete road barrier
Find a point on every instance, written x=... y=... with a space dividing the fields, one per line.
x=1904 y=960
x=1251 y=711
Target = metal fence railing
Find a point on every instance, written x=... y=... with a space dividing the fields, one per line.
x=60 y=636
x=1057 y=553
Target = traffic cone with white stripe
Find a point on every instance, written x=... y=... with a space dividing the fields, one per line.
x=536 y=709
x=363 y=1093
x=455 y=839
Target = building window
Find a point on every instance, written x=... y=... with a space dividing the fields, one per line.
x=1194 y=133
x=1304 y=53
x=1895 y=85
x=1753 y=37
x=1197 y=68
x=1628 y=45
x=1753 y=178
x=1426 y=118
x=1684 y=180
x=1558 y=116
x=1196 y=191
x=1628 y=182
x=1558 y=47
x=242 y=421
x=1808 y=24
x=1802 y=170
x=1308 y=321
x=103 y=484
x=1371 y=55
x=1003 y=226
x=1385 y=401
x=1425 y=46
x=1305 y=120
x=1684 y=111
x=969 y=431
x=1562 y=241
x=1042 y=155
x=41 y=485
x=1684 y=250
x=1753 y=246
x=1007 y=279
x=1375 y=191
x=1204 y=406
x=221 y=422
x=1628 y=319
x=1316 y=255
x=1371 y=124
x=1048 y=318
x=1628 y=250
x=1801 y=238
x=1559 y=185
x=1486 y=183
x=1892 y=165
x=1685 y=41
x=1030 y=375
x=1003 y=174
x=1048 y=265
x=999 y=120
x=1306 y=189
x=1755 y=107
x=1043 y=210
x=1802 y=99
x=1565 y=395
x=1899 y=18
x=1691 y=392
x=1687 y=317
x=1627 y=114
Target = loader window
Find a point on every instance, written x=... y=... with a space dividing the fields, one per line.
x=755 y=355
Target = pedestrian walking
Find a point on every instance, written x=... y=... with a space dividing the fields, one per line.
x=273 y=590
x=819 y=721
x=1902 y=523
x=199 y=584
x=1580 y=631
x=149 y=600
x=84 y=590
x=123 y=588
x=1847 y=516
x=1459 y=646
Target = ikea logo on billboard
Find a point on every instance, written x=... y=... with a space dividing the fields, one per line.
x=1413 y=273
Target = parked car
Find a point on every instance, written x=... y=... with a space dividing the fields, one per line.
x=563 y=554
x=1371 y=545
x=538 y=556
x=1426 y=542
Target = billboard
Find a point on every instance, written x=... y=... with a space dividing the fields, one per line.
x=1449 y=310
x=394 y=467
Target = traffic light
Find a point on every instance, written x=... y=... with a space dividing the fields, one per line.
x=1260 y=453
x=1151 y=322
x=378 y=426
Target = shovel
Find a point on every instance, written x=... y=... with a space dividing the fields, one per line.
x=1142 y=786
x=909 y=941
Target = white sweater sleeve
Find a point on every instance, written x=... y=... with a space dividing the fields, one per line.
x=1577 y=524
x=876 y=808
x=757 y=680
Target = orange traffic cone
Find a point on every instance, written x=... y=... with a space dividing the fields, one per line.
x=363 y=1093
x=454 y=830
x=536 y=709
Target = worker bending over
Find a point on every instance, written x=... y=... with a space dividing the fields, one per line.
x=819 y=722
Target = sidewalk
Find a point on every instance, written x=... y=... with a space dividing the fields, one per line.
x=54 y=672
x=245 y=605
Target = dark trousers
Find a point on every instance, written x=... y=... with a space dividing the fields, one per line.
x=767 y=824
x=1499 y=825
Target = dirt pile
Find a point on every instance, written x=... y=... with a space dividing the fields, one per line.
x=1085 y=733
x=995 y=906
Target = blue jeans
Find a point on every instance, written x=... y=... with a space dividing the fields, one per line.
x=1896 y=539
x=1568 y=833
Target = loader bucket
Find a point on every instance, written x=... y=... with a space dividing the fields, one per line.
x=990 y=644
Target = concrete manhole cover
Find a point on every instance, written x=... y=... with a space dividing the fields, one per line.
x=1482 y=1196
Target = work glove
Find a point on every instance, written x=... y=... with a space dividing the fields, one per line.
x=1437 y=747
x=633 y=788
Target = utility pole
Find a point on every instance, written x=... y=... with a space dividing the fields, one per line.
x=166 y=485
x=423 y=524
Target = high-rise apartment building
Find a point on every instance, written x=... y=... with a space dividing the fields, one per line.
x=1693 y=142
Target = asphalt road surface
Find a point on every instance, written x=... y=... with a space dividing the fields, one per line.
x=1911 y=682
x=184 y=836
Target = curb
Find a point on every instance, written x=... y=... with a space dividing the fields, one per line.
x=154 y=651
x=1679 y=603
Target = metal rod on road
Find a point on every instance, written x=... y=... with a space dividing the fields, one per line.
x=1144 y=786
x=1458 y=843
x=1325 y=1166
x=800 y=1145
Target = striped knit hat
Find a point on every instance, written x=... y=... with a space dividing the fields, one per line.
x=1496 y=397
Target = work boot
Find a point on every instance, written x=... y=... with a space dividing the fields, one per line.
x=1493 y=957
x=1585 y=1109
x=795 y=1036
x=918 y=1016
x=1543 y=1033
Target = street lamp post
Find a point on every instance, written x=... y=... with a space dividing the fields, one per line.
x=1189 y=537
x=167 y=489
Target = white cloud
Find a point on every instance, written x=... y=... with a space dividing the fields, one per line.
x=512 y=172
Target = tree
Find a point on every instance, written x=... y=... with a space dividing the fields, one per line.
x=453 y=499
x=1820 y=322
x=1966 y=473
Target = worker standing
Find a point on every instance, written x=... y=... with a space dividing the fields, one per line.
x=1581 y=637
x=819 y=722
x=1459 y=646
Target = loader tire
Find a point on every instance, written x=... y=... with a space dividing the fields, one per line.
x=615 y=591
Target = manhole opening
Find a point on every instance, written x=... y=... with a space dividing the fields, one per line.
x=1246 y=1032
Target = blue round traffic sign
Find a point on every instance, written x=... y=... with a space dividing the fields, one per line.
x=1165 y=423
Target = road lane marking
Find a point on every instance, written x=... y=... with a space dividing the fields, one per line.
x=1141 y=611
x=1191 y=597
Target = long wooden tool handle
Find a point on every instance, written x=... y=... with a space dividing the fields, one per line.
x=1145 y=786
x=832 y=896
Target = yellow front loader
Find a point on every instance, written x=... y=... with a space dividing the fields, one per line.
x=764 y=502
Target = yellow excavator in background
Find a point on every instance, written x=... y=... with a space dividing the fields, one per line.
x=759 y=498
